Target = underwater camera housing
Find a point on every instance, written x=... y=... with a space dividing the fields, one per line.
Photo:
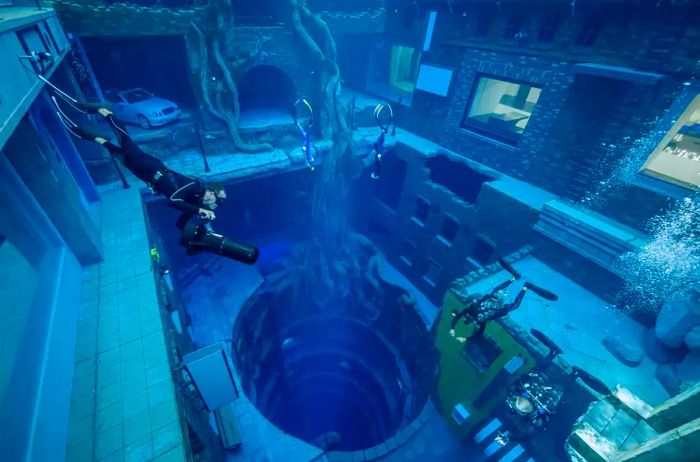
x=197 y=238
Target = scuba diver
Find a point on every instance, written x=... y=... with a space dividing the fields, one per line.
x=378 y=145
x=305 y=131
x=485 y=308
x=195 y=199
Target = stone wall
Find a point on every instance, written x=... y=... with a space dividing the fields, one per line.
x=579 y=128
x=431 y=229
x=280 y=49
x=98 y=18
x=531 y=159
x=652 y=36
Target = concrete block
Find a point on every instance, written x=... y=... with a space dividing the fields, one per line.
x=391 y=444
x=381 y=450
x=370 y=454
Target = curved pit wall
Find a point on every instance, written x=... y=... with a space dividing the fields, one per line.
x=342 y=379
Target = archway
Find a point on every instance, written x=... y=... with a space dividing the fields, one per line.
x=266 y=95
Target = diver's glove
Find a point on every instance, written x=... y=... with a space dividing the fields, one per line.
x=89 y=135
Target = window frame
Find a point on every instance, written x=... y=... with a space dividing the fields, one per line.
x=548 y=28
x=589 y=32
x=651 y=181
x=474 y=128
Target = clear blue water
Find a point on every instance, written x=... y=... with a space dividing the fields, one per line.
x=559 y=136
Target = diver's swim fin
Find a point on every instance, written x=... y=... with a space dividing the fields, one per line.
x=546 y=341
x=508 y=267
x=544 y=293
x=93 y=108
x=594 y=383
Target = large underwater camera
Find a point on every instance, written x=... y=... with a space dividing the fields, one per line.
x=197 y=238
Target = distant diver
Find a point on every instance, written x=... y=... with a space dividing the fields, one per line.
x=195 y=199
x=482 y=309
x=305 y=130
x=378 y=146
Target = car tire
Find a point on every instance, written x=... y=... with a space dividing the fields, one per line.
x=143 y=122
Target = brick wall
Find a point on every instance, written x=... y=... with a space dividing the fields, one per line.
x=580 y=127
x=281 y=50
x=439 y=118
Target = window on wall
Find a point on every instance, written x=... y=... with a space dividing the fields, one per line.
x=408 y=249
x=514 y=25
x=422 y=210
x=676 y=158
x=404 y=68
x=483 y=24
x=548 y=28
x=500 y=109
x=450 y=228
x=432 y=276
x=589 y=32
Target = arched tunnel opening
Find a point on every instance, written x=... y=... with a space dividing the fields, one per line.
x=342 y=378
x=266 y=95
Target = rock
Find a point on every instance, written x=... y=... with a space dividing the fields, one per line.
x=692 y=339
x=631 y=355
x=675 y=320
x=659 y=352
x=666 y=375
x=688 y=370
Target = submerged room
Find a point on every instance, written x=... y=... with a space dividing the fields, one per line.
x=323 y=230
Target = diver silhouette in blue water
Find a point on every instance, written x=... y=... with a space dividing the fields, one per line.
x=378 y=146
x=305 y=129
x=195 y=199
x=480 y=309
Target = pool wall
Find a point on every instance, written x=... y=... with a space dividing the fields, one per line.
x=434 y=231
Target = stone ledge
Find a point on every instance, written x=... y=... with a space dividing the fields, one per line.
x=591 y=235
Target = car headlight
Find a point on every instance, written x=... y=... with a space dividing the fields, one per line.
x=155 y=114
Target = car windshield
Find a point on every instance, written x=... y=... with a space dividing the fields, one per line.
x=136 y=95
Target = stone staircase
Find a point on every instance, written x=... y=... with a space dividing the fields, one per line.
x=606 y=430
x=622 y=427
x=595 y=237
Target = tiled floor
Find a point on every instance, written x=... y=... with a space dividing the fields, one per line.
x=578 y=322
x=213 y=303
x=123 y=403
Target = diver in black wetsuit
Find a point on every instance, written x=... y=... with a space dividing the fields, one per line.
x=485 y=308
x=187 y=194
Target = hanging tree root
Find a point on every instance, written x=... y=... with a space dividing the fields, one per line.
x=333 y=115
x=217 y=108
x=325 y=56
x=334 y=249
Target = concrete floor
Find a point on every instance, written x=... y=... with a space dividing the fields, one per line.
x=261 y=118
x=434 y=442
x=214 y=302
x=578 y=322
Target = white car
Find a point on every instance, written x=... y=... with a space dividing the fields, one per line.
x=141 y=107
